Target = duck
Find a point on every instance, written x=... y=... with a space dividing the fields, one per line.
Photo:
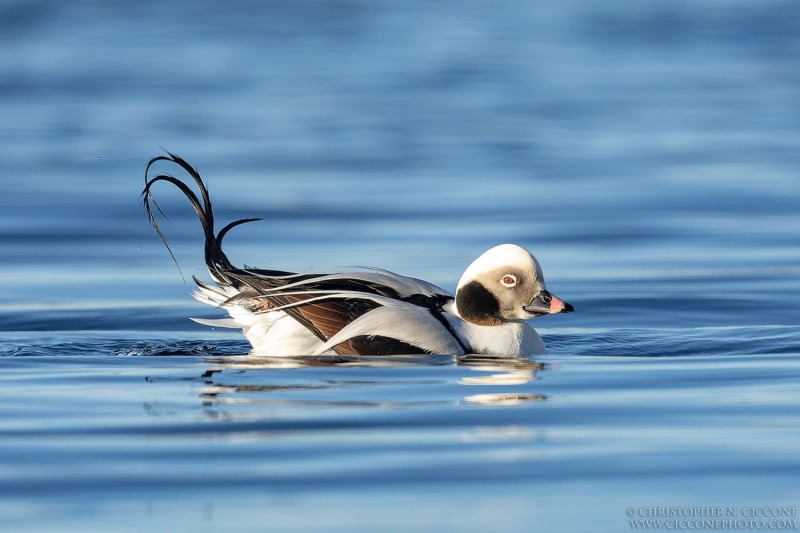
x=359 y=311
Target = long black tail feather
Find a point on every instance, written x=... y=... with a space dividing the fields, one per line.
x=215 y=258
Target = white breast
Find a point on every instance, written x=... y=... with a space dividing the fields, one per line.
x=510 y=339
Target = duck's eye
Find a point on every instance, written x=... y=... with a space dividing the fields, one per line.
x=509 y=280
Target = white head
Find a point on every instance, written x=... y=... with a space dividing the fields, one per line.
x=505 y=284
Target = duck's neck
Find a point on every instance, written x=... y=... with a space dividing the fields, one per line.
x=505 y=338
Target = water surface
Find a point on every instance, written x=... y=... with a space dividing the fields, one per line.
x=647 y=154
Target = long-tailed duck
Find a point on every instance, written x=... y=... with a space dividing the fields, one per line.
x=368 y=311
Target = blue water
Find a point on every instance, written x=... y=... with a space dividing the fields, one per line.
x=647 y=153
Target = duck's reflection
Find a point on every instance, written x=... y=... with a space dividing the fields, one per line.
x=504 y=371
x=240 y=380
x=504 y=399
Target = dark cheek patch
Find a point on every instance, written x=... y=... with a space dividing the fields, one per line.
x=477 y=305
